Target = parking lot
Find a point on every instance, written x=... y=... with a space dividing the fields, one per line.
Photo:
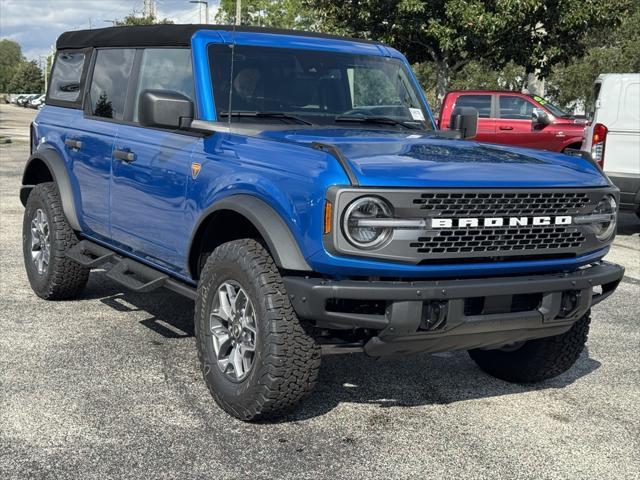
x=109 y=386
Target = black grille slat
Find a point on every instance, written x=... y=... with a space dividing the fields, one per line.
x=501 y=204
x=500 y=239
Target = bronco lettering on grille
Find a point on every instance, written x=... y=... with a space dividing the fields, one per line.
x=499 y=222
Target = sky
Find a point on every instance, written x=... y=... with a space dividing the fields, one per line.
x=36 y=24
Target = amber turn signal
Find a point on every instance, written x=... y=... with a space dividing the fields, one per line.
x=328 y=214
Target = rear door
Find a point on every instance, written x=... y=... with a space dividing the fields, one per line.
x=91 y=143
x=484 y=104
x=148 y=191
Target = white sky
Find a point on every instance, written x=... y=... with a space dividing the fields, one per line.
x=36 y=24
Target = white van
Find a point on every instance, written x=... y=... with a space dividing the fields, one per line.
x=613 y=137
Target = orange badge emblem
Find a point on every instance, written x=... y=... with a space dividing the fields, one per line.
x=195 y=170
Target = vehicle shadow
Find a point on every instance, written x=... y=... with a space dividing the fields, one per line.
x=410 y=381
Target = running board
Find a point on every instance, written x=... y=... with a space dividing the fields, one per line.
x=134 y=275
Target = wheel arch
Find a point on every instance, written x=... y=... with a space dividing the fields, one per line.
x=45 y=165
x=244 y=216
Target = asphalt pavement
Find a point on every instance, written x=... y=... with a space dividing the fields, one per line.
x=108 y=386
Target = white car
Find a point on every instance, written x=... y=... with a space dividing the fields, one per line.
x=613 y=137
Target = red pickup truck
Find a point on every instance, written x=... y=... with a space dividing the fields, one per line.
x=514 y=118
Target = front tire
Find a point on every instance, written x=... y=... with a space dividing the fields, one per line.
x=256 y=358
x=536 y=360
x=46 y=238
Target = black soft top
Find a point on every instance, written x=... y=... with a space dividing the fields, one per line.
x=163 y=35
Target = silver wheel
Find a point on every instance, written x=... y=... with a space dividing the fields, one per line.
x=233 y=326
x=40 y=241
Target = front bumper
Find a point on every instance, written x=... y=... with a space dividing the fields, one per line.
x=435 y=316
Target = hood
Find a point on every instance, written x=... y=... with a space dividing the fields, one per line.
x=402 y=159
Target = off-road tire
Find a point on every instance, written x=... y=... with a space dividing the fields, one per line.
x=63 y=278
x=286 y=359
x=536 y=360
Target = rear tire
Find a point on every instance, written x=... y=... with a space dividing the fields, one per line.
x=536 y=360
x=242 y=307
x=46 y=238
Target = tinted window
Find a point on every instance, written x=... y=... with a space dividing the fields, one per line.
x=65 y=79
x=165 y=69
x=109 y=82
x=482 y=103
x=515 y=108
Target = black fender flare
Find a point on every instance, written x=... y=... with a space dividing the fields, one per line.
x=58 y=169
x=273 y=229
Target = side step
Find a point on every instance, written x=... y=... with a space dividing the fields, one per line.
x=134 y=275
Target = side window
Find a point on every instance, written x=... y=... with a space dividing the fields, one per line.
x=66 y=77
x=515 y=108
x=165 y=69
x=109 y=82
x=482 y=103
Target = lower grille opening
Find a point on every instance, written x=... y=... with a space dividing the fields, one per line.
x=361 y=307
x=500 y=304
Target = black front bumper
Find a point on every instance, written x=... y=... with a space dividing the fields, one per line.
x=437 y=316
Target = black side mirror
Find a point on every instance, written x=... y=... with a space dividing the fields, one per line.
x=540 y=118
x=164 y=109
x=465 y=120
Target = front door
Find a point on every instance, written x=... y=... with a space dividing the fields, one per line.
x=151 y=167
x=514 y=125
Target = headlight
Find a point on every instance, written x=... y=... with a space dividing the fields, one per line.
x=608 y=209
x=359 y=223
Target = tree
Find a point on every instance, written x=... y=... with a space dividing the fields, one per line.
x=10 y=58
x=131 y=19
x=615 y=51
x=453 y=33
x=293 y=14
x=27 y=78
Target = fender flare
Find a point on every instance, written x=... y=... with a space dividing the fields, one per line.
x=273 y=229
x=60 y=174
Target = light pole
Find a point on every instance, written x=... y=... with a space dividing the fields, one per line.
x=206 y=9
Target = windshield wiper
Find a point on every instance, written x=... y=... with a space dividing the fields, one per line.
x=375 y=119
x=241 y=113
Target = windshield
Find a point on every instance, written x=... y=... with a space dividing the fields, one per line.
x=276 y=85
x=554 y=109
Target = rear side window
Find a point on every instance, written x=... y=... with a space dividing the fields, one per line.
x=482 y=103
x=109 y=82
x=165 y=69
x=66 y=78
x=515 y=108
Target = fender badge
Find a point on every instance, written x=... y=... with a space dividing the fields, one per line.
x=195 y=170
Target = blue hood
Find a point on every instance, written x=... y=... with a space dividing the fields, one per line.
x=402 y=159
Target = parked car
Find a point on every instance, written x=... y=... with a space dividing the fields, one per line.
x=513 y=118
x=36 y=102
x=613 y=136
x=296 y=188
x=24 y=100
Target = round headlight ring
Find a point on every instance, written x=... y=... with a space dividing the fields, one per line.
x=368 y=207
x=604 y=231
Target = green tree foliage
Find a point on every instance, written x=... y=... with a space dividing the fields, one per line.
x=454 y=33
x=293 y=14
x=615 y=51
x=132 y=19
x=10 y=58
x=27 y=78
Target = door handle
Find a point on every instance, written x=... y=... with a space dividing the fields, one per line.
x=71 y=143
x=505 y=128
x=124 y=155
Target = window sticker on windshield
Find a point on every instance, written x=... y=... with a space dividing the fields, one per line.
x=417 y=114
x=540 y=100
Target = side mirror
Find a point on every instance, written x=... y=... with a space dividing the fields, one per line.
x=164 y=109
x=540 y=118
x=464 y=120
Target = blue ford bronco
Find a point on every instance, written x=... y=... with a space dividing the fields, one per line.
x=295 y=186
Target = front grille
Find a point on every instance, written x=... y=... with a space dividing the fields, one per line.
x=491 y=239
x=501 y=204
